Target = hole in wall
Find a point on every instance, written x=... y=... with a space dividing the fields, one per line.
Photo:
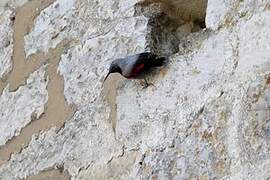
x=170 y=21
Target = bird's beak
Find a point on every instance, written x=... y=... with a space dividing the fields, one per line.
x=106 y=77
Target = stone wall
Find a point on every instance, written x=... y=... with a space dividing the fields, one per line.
x=206 y=117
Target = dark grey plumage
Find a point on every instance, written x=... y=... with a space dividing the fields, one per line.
x=135 y=65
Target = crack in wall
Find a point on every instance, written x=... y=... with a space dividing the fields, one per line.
x=2 y=86
x=110 y=93
x=24 y=21
x=50 y=174
x=57 y=111
x=170 y=21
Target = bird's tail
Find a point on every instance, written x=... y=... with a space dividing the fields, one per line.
x=158 y=61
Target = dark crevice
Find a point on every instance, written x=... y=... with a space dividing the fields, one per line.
x=162 y=39
x=170 y=21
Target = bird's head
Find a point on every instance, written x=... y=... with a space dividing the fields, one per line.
x=114 y=68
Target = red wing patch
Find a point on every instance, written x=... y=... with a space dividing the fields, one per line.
x=137 y=70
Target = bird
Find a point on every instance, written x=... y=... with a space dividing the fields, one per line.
x=135 y=66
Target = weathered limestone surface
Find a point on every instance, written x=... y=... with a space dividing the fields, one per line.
x=7 y=15
x=81 y=20
x=82 y=142
x=11 y=3
x=20 y=107
x=45 y=33
x=6 y=44
x=206 y=117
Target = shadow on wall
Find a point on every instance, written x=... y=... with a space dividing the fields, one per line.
x=170 y=21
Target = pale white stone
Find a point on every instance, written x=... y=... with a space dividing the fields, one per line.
x=20 y=107
x=46 y=32
x=83 y=79
x=206 y=117
x=118 y=33
x=70 y=19
x=85 y=139
x=7 y=12
x=222 y=13
x=6 y=42
x=254 y=50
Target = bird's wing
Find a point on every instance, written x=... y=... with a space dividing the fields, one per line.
x=135 y=63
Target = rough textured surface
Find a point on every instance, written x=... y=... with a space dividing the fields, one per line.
x=77 y=19
x=69 y=146
x=7 y=15
x=6 y=46
x=20 y=107
x=86 y=139
x=83 y=79
x=45 y=33
x=206 y=117
x=11 y=3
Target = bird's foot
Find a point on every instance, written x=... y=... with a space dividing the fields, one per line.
x=146 y=84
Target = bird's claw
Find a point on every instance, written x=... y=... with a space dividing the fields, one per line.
x=146 y=84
